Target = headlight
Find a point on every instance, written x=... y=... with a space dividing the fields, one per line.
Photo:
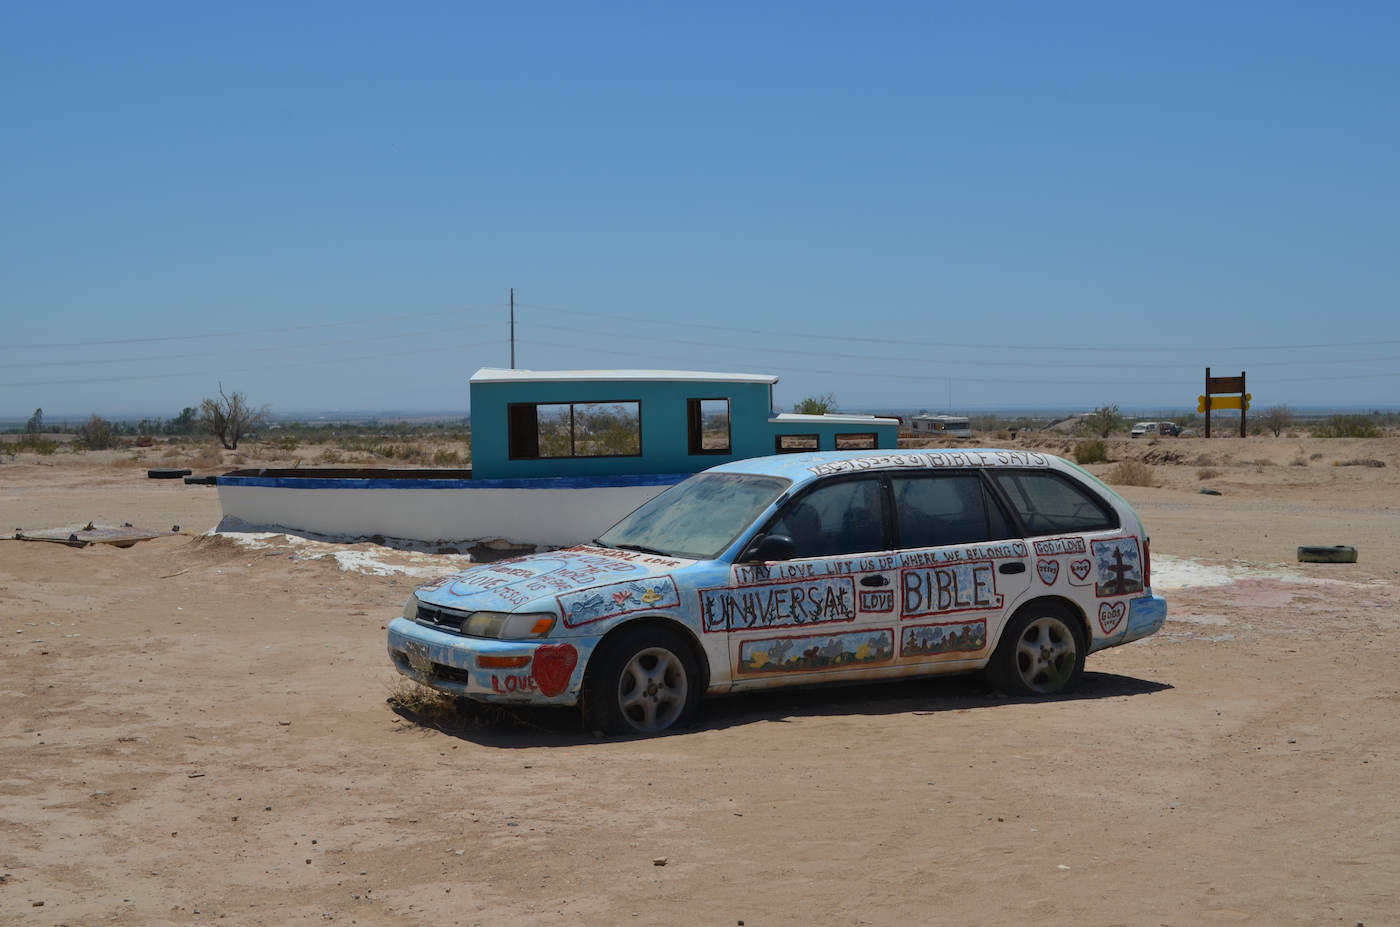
x=410 y=608
x=507 y=625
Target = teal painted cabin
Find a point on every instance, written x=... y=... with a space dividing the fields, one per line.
x=532 y=424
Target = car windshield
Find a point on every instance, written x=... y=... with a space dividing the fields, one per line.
x=699 y=518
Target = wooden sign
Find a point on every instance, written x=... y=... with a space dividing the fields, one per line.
x=1216 y=385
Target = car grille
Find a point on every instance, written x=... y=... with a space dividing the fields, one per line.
x=444 y=619
x=451 y=673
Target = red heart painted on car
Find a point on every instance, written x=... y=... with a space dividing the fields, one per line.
x=1110 y=615
x=1080 y=568
x=1049 y=571
x=554 y=664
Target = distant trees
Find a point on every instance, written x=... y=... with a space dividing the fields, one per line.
x=1276 y=418
x=816 y=405
x=229 y=417
x=36 y=423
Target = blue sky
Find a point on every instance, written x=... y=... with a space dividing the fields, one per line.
x=1030 y=205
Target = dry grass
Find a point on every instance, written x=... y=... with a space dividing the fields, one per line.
x=424 y=701
x=1359 y=462
x=1207 y=473
x=1132 y=473
x=1299 y=461
x=446 y=458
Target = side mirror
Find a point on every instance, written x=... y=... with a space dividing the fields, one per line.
x=773 y=547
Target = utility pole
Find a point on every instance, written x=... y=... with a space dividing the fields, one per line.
x=512 y=328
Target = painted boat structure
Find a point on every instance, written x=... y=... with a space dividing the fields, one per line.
x=434 y=506
x=558 y=457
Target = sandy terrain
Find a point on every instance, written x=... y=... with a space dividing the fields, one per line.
x=196 y=730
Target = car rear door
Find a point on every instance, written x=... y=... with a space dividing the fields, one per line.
x=1082 y=550
x=963 y=566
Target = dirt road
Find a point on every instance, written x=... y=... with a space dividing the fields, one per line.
x=196 y=730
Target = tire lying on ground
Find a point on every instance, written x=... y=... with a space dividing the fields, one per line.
x=1338 y=554
x=167 y=473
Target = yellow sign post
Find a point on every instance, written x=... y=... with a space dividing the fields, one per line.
x=1210 y=400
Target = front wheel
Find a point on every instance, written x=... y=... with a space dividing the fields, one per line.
x=645 y=682
x=1041 y=652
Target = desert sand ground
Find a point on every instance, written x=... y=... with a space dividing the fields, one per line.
x=197 y=730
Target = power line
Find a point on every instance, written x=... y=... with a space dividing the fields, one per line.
x=261 y=331
x=927 y=377
x=945 y=361
x=952 y=344
x=210 y=373
x=291 y=347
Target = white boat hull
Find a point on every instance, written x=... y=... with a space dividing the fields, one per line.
x=545 y=513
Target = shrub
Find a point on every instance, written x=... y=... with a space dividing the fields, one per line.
x=96 y=434
x=1104 y=420
x=1299 y=461
x=35 y=443
x=1360 y=462
x=817 y=405
x=1091 y=451
x=229 y=418
x=1275 y=418
x=1347 y=426
x=1131 y=473
x=1206 y=473
x=446 y=458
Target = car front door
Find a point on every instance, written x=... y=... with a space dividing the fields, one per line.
x=830 y=611
x=963 y=567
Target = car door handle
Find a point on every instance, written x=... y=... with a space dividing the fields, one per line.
x=1013 y=567
x=876 y=580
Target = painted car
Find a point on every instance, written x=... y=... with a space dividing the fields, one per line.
x=797 y=570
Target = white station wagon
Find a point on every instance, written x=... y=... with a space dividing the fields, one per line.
x=797 y=570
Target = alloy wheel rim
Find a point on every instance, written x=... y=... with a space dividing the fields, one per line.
x=1045 y=655
x=652 y=689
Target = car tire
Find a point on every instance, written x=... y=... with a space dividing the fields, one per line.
x=645 y=682
x=1339 y=554
x=1041 y=652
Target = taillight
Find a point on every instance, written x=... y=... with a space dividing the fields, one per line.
x=1147 y=563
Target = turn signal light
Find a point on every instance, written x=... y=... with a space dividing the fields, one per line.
x=502 y=662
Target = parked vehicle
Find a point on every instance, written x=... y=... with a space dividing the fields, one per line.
x=800 y=569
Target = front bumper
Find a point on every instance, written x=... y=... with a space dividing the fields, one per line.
x=1145 y=617
x=553 y=676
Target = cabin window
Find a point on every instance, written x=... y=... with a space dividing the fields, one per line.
x=864 y=441
x=709 y=426
x=796 y=444
x=575 y=429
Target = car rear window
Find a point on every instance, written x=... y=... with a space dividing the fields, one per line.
x=1049 y=503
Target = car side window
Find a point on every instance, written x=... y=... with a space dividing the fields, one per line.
x=838 y=518
x=1050 y=504
x=938 y=510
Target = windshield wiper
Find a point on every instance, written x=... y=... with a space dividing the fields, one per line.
x=640 y=549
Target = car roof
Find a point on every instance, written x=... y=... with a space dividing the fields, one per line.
x=802 y=468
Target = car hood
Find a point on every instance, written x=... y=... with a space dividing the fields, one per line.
x=538 y=582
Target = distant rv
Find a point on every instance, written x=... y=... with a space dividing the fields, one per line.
x=956 y=426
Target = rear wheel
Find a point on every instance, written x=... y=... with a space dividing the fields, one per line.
x=1041 y=652
x=645 y=682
